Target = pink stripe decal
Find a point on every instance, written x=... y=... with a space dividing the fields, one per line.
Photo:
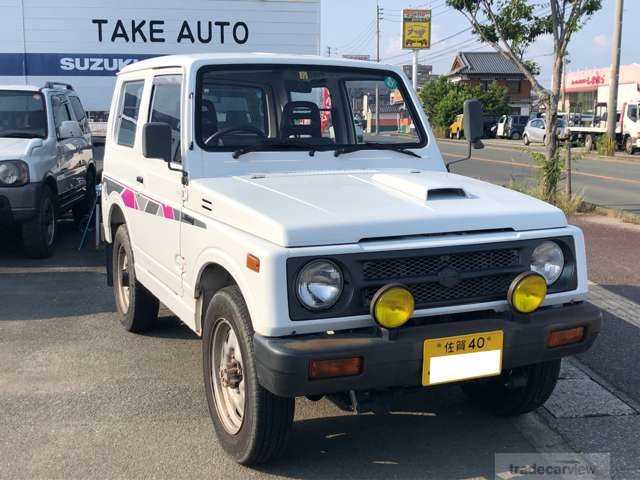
x=168 y=212
x=129 y=199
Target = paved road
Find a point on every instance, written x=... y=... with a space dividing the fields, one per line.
x=82 y=398
x=611 y=183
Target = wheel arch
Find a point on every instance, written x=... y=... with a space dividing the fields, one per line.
x=115 y=218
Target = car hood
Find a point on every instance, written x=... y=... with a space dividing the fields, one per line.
x=15 y=148
x=325 y=208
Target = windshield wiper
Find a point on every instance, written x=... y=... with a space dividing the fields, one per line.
x=376 y=146
x=273 y=144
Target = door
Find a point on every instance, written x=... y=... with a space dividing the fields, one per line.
x=161 y=189
x=71 y=154
x=632 y=122
x=501 y=126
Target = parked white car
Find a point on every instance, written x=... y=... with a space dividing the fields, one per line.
x=536 y=131
x=46 y=161
x=311 y=264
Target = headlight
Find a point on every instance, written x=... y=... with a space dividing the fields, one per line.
x=319 y=285
x=14 y=173
x=548 y=261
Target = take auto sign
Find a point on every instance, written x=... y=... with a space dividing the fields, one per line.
x=416 y=29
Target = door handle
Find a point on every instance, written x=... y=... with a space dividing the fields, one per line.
x=139 y=179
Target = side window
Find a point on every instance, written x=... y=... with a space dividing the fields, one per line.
x=633 y=113
x=80 y=114
x=128 y=112
x=60 y=111
x=165 y=107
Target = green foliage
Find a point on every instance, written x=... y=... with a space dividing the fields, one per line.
x=605 y=146
x=444 y=100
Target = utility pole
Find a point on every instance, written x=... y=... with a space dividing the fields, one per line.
x=568 y=123
x=612 y=107
x=378 y=19
x=328 y=50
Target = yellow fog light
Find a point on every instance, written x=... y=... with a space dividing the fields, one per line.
x=527 y=292
x=392 y=306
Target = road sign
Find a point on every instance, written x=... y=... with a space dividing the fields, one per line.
x=416 y=29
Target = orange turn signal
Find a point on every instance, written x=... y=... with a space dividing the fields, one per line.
x=565 y=337
x=253 y=262
x=341 y=367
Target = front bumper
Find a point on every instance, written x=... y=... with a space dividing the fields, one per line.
x=283 y=363
x=18 y=204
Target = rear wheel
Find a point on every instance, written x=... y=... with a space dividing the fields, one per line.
x=458 y=135
x=630 y=146
x=137 y=306
x=588 y=143
x=251 y=423
x=515 y=136
x=39 y=234
x=517 y=391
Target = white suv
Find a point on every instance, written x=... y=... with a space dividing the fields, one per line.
x=46 y=161
x=311 y=262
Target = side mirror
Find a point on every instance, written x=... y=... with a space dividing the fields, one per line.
x=473 y=123
x=156 y=141
x=69 y=129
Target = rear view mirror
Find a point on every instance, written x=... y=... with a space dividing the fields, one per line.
x=69 y=129
x=156 y=141
x=473 y=123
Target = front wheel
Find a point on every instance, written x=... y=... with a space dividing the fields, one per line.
x=39 y=234
x=525 y=140
x=517 y=391
x=251 y=423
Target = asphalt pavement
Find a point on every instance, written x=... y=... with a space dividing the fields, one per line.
x=612 y=183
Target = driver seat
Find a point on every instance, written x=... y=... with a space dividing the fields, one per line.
x=301 y=119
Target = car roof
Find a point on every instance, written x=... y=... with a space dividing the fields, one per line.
x=198 y=60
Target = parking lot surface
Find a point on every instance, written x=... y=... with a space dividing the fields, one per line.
x=81 y=398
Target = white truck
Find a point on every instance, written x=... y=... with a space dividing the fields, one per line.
x=313 y=264
x=627 y=127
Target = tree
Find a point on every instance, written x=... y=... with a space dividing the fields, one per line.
x=511 y=26
x=443 y=100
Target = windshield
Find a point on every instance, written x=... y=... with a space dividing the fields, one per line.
x=22 y=114
x=314 y=107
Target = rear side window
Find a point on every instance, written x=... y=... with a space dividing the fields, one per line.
x=128 y=112
x=77 y=108
x=165 y=107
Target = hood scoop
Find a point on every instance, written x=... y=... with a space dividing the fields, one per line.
x=415 y=186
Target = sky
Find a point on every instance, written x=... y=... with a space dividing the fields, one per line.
x=348 y=27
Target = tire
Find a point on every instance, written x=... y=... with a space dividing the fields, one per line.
x=515 y=136
x=137 y=306
x=540 y=380
x=39 y=234
x=588 y=143
x=260 y=432
x=525 y=140
x=629 y=146
x=458 y=135
x=83 y=208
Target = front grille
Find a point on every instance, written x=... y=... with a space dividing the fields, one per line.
x=471 y=290
x=422 y=266
x=479 y=276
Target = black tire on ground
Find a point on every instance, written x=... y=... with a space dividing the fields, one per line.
x=525 y=139
x=539 y=381
x=83 y=208
x=515 y=136
x=629 y=146
x=588 y=143
x=137 y=306
x=39 y=234
x=262 y=429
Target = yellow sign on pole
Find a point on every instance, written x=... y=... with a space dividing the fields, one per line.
x=416 y=29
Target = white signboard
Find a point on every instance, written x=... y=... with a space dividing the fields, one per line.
x=85 y=42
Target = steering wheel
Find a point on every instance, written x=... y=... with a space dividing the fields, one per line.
x=247 y=128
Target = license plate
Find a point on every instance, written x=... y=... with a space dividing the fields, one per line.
x=462 y=357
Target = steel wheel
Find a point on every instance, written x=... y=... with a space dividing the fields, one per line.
x=228 y=380
x=122 y=279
